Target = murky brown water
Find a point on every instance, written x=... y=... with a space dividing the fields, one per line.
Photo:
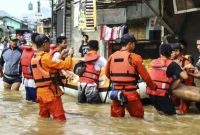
x=17 y=117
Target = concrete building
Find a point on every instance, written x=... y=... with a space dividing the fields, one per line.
x=148 y=20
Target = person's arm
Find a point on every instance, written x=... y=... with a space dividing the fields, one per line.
x=65 y=64
x=56 y=57
x=196 y=73
x=143 y=72
x=107 y=68
x=103 y=62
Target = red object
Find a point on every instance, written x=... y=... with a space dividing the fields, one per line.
x=53 y=49
x=91 y=75
x=159 y=76
x=54 y=108
x=134 y=107
x=122 y=73
x=26 y=57
x=42 y=77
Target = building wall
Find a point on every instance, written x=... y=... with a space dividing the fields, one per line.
x=12 y=23
x=186 y=27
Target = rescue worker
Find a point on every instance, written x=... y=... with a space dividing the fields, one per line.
x=164 y=71
x=84 y=48
x=11 y=65
x=123 y=69
x=88 y=86
x=45 y=75
x=178 y=57
x=27 y=54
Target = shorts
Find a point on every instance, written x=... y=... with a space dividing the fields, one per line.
x=88 y=93
x=164 y=104
x=13 y=79
x=30 y=93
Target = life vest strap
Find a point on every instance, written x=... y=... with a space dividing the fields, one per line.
x=123 y=74
x=125 y=83
x=92 y=73
x=42 y=80
x=96 y=80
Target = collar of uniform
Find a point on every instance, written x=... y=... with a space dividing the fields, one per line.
x=40 y=52
x=92 y=51
x=123 y=49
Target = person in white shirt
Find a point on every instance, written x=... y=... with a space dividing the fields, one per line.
x=88 y=86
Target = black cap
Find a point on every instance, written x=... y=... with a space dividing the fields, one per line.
x=127 y=38
x=175 y=46
x=40 y=39
x=22 y=41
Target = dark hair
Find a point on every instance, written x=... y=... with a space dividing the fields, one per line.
x=93 y=45
x=41 y=39
x=60 y=39
x=165 y=50
x=87 y=37
x=126 y=38
x=33 y=37
x=22 y=41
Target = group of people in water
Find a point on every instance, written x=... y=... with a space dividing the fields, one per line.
x=43 y=68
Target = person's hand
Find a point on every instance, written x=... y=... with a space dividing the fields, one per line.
x=64 y=53
x=71 y=52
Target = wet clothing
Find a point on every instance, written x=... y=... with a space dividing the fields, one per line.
x=29 y=83
x=53 y=108
x=88 y=93
x=83 y=50
x=133 y=104
x=164 y=103
x=49 y=97
x=88 y=88
x=10 y=61
x=134 y=108
x=30 y=88
x=13 y=79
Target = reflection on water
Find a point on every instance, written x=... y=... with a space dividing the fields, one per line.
x=18 y=117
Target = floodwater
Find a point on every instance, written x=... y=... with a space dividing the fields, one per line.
x=19 y=117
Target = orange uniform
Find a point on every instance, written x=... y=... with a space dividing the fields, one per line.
x=133 y=105
x=49 y=97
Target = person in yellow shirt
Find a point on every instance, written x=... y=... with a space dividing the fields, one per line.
x=47 y=79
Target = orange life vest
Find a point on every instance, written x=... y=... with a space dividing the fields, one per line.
x=53 y=50
x=159 y=77
x=42 y=77
x=26 y=57
x=122 y=73
x=190 y=80
x=90 y=75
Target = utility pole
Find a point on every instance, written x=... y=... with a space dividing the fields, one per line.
x=52 y=17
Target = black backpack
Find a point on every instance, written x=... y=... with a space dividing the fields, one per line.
x=79 y=68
